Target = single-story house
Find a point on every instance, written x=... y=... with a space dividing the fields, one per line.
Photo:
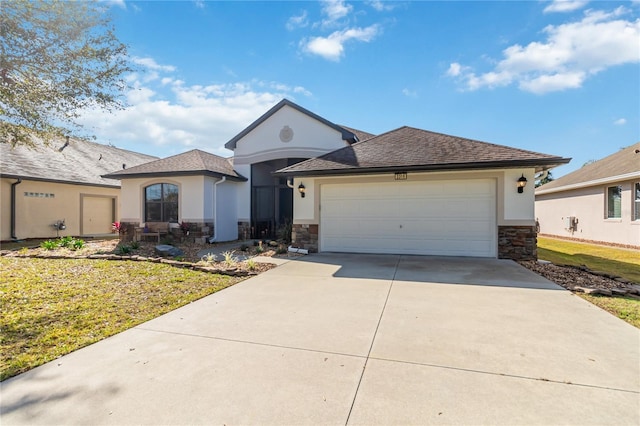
x=600 y=202
x=48 y=187
x=405 y=191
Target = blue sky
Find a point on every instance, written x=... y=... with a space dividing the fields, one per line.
x=559 y=77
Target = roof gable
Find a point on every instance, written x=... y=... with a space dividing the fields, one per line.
x=347 y=135
x=408 y=148
x=194 y=162
x=624 y=164
x=74 y=161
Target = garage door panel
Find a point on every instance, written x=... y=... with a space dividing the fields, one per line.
x=444 y=217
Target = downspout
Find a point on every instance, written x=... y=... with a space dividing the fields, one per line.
x=13 y=208
x=215 y=210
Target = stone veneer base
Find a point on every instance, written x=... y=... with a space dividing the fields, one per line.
x=305 y=237
x=517 y=242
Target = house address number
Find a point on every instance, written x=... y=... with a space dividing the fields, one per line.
x=401 y=176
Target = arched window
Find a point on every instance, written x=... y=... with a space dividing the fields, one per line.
x=161 y=203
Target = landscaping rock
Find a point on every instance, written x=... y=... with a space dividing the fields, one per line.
x=166 y=250
x=618 y=291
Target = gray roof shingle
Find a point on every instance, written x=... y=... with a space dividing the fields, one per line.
x=194 y=162
x=79 y=162
x=408 y=148
x=624 y=164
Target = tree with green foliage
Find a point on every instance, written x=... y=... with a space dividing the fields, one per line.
x=57 y=59
x=546 y=179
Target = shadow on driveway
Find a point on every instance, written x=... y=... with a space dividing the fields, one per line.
x=433 y=269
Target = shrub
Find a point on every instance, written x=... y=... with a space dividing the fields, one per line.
x=49 y=245
x=65 y=242
x=229 y=260
x=281 y=249
x=124 y=249
x=77 y=244
x=134 y=245
x=208 y=258
x=284 y=233
x=244 y=247
x=251 y=264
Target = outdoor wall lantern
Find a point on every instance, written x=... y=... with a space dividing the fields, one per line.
x=522 y=182
x=301 y=189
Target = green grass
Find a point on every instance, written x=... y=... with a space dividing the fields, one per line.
x=625 y=308
x=616 y=261
x=50 y=307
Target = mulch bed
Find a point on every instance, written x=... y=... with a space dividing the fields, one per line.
x=581 y=279
x=109 y=249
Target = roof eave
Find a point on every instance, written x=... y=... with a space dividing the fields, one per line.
x=538 y=164
x=346 y=135
x=61 y=181
x=118 y=176
x=618 y=178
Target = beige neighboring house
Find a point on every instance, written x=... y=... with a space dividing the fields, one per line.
x=45 y=185
x=599 y=202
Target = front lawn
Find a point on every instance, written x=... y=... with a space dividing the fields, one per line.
x=610 y=260
x=625 y=308
x=50 y=307
x=615 y=261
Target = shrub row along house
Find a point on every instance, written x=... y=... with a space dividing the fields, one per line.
x=405 y=191
x=599 y=202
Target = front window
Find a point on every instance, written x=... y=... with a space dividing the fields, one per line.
x=614 y=202
x=161 y=203
x=636 y=201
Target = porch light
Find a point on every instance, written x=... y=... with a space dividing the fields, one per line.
x=522 y=182
x=301 y=189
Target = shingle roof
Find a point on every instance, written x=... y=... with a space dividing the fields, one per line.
x=360 y=134
x=409 y=148
x=194 y=162
x=346 y=134
x=623 y=165
x=79 y=162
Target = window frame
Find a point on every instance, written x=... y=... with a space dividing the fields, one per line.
x=163 y=203
x=607 y=203
x=635 y=201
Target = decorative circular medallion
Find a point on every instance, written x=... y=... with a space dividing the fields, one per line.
x=286 y=134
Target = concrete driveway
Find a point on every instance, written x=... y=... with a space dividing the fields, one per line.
x=354 y=339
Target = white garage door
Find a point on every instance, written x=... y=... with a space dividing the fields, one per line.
x=451 y=218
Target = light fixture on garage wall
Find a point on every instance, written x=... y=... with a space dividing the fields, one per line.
x=522 y=182
x=301 y=190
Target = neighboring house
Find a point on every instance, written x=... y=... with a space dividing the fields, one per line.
x=44 y=185
x=405 y=191
x=599 y=202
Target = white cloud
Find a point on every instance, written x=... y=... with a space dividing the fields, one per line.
x=334 y=11
x=383 y=6
x=332 y=47
x=620 y=122
x=169 y=115
x=571 y=53
x=565 y=5
x=409 y=93
x=152 y=64
x=299 y=21
x=199 y=4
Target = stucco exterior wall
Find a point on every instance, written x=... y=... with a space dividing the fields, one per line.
x=191 y=198
x=512 y=208
x=35 y=213
x=243 y=193
x=515 y=220
x=311 y=138
x=588 y=205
